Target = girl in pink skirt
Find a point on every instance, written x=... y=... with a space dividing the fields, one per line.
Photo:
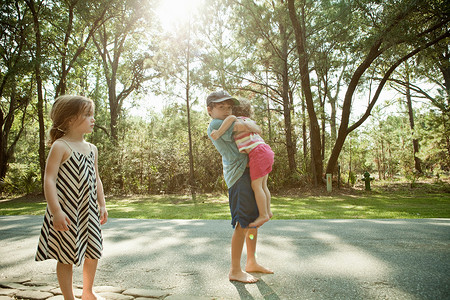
x=260 y=157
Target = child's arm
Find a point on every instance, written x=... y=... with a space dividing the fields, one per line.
x=215 y=134
x=247 y=125
x=100 y=194
x=57 y=154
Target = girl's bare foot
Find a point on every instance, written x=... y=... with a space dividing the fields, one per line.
x=242 y=277
x=259 y=221
x=256 y=268
x=270 y=215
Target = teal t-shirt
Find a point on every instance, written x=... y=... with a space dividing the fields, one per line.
x=233 y=161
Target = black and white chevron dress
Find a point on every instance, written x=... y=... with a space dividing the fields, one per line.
x=77 y=193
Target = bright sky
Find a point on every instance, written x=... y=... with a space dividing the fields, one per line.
x=171 y=12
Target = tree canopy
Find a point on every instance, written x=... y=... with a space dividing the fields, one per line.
x=364 y=85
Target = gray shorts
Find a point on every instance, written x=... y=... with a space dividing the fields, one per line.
x=242 y=201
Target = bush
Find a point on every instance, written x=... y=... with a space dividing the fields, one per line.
x=22 y=179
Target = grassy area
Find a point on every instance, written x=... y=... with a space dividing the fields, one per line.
x=391 y=202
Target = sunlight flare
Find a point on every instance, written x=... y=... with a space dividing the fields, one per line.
x=171 y=12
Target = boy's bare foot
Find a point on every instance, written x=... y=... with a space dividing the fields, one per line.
x=242 y=277
x=270 y=215
x=259 y=221
x=256 y=268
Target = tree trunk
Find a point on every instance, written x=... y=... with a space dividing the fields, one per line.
x=40 y=100
x=269 y=115
x=304 y=135
x=447 y=139
x=299 y=29
x=417 y=161
x=379 y=164
x=5 y=128
x=3 y=158
x=346 y=108
x=444 y=67
x=383 y=159
x=61 y=88
x=322 y=121
x=375 y=51
x=333 y=102
x=113 y=109
x=188 y=110
x=7 y=145
x=287 y=107
x=350 y=161
x=66 y=64
x=333 y=133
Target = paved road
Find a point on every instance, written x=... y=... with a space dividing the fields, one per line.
x=312 y=259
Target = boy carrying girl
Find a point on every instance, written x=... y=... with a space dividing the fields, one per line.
x=243 y=207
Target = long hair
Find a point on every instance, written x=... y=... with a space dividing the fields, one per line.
x=244 y=109
x=66 y=109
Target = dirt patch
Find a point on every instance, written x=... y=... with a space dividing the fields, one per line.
x=425 y=185
x=23 y=198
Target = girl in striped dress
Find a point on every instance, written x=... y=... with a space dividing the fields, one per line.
x=260 y=156
x=74 y=192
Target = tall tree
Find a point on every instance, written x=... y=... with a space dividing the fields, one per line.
x=177 y=62
x=124 y=64
x=75 y=23
x=14 y=69
x=431 y=72
x=396 y=22
x=299 y=24
x=188 y=111
x=406 y=91
x=435 y=68
x=269 y=39
x=415 y=141
x=220 y=49
x=36 y=9
x=388 y=35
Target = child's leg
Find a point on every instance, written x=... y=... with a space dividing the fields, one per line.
x=268 y=196
x=261 y=202
x=89 y=269
x=65 y=274
x=251 y=265
x=237 y=244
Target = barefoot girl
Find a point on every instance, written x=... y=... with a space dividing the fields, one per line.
x=74 y=192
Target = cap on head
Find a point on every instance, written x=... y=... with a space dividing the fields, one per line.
x=220 y=96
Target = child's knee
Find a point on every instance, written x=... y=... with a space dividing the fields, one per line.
x=257 y=184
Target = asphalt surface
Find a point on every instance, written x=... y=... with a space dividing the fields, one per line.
x=312 y=259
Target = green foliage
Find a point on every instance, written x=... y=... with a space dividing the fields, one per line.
x=434 y=131
x=246 y=47
x=22 y=179
x=352 y=178
x=151 y=157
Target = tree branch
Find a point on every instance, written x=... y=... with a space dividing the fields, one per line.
x=388 y=74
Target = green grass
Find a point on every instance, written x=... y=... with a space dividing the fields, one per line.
x=390 y=203
x=364 y=206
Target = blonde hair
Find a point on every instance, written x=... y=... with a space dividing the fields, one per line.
x=66 y=109
x=244 y=109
